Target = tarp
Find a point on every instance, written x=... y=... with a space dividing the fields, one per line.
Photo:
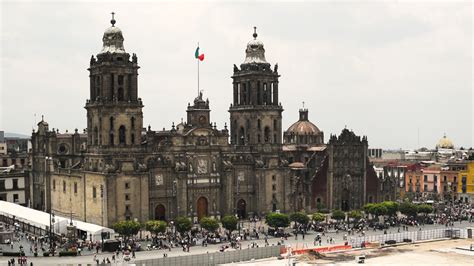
x=41 y=219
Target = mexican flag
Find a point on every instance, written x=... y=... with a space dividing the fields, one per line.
x=197 y=55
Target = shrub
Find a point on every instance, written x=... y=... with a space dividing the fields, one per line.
x=183 y=224
x=13 y=254
x=208 y=223
x=319 y=217
x=338 y=215
x=67 y=253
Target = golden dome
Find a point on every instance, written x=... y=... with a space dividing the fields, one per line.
x=445 y=143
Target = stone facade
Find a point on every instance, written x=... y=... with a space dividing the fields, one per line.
x=119 y=170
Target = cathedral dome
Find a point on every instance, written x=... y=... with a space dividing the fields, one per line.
x=303 y=126
x=255 y=53
x=445 y=143
x=113 y=40
x=303 y=132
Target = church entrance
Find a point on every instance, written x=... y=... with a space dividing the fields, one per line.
x=201 y=207
x=160 y=212
x=241 y=209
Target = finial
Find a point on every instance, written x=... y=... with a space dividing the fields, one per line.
x=303 y=104
x=255 y=33
x=113 y=19
x=42 y=118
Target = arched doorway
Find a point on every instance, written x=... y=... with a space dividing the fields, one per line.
x=201 y=207
x=160 y=212
x=241 y=208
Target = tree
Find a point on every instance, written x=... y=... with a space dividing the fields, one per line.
x=156 y=227
x=183 y=224
x=208 y=223
x=424 y=208
x=276 y=220
x=356 y=215
x=391 y=206
x=319 y=217
x=368 y=208
x=379 y=209
x=409 y=209
x=229 y=222
x=338 y=215
x=299 y=217
x=127 y=228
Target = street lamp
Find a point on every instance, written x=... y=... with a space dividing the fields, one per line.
x=51 y=228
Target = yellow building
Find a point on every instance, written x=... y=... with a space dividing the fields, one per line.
x=466 y=183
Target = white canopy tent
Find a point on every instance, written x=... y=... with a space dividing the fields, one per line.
x=41 y=219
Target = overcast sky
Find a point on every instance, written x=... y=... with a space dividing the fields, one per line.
x=387 y=70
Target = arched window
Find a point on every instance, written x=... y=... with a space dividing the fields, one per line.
x=122 y=134
x=259 y=124
x=266 y=136
x=120 y=94
x=111 y=123
x=96 y=136
x=241 y=139
x=132 y=122
x=111 y=139
x=133 y=138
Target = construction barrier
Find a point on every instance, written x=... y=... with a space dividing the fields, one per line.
x=284 y=251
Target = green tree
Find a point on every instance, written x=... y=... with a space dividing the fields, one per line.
x=391 y=206
x=183 y=224
x=424 y=208
x=409 y=209
x=208 y=223
x=299 y=217
x=127 y=228
x=229 y=222
x=368 y=208
x=276 y=220
x=356 y=215
x=156 y=227
x=338 y=215
x=379 y=209
x=319 y=217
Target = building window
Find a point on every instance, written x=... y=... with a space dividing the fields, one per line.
x=435 y=178
x=274 y=187
x=435 y=188
x=54 y=184
x=127 y=208
x=22 y=161
x=274 y=178
x=122 y=134
x=445 y=178
x=259 y=124
x=75 y=187
x=127 y=185
x=127 y=197
x=425 y=188
x=64 y=186
x=455 y=179
x=2 y=185
x=15 y=198
x=120 y=79
x=425 y=178
x=15 y=183
x=94 y=192
x=101 y=191
x=5 y=162
x=275 y=124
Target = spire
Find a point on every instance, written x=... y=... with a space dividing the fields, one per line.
x=255 y=53
x=113 y=19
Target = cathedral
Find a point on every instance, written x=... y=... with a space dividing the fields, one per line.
x=117 y=169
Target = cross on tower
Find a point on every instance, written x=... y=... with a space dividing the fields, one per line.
x=255 y=33
x=113 y=19
x=303 y=104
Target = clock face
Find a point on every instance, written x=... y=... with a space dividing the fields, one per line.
x=202 y=120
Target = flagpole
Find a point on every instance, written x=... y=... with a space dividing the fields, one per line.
x=198 y=74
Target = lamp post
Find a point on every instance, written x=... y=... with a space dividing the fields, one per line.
x=51 y=229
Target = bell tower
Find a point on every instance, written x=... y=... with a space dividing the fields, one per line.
x=114 y=111
x=255 y=114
